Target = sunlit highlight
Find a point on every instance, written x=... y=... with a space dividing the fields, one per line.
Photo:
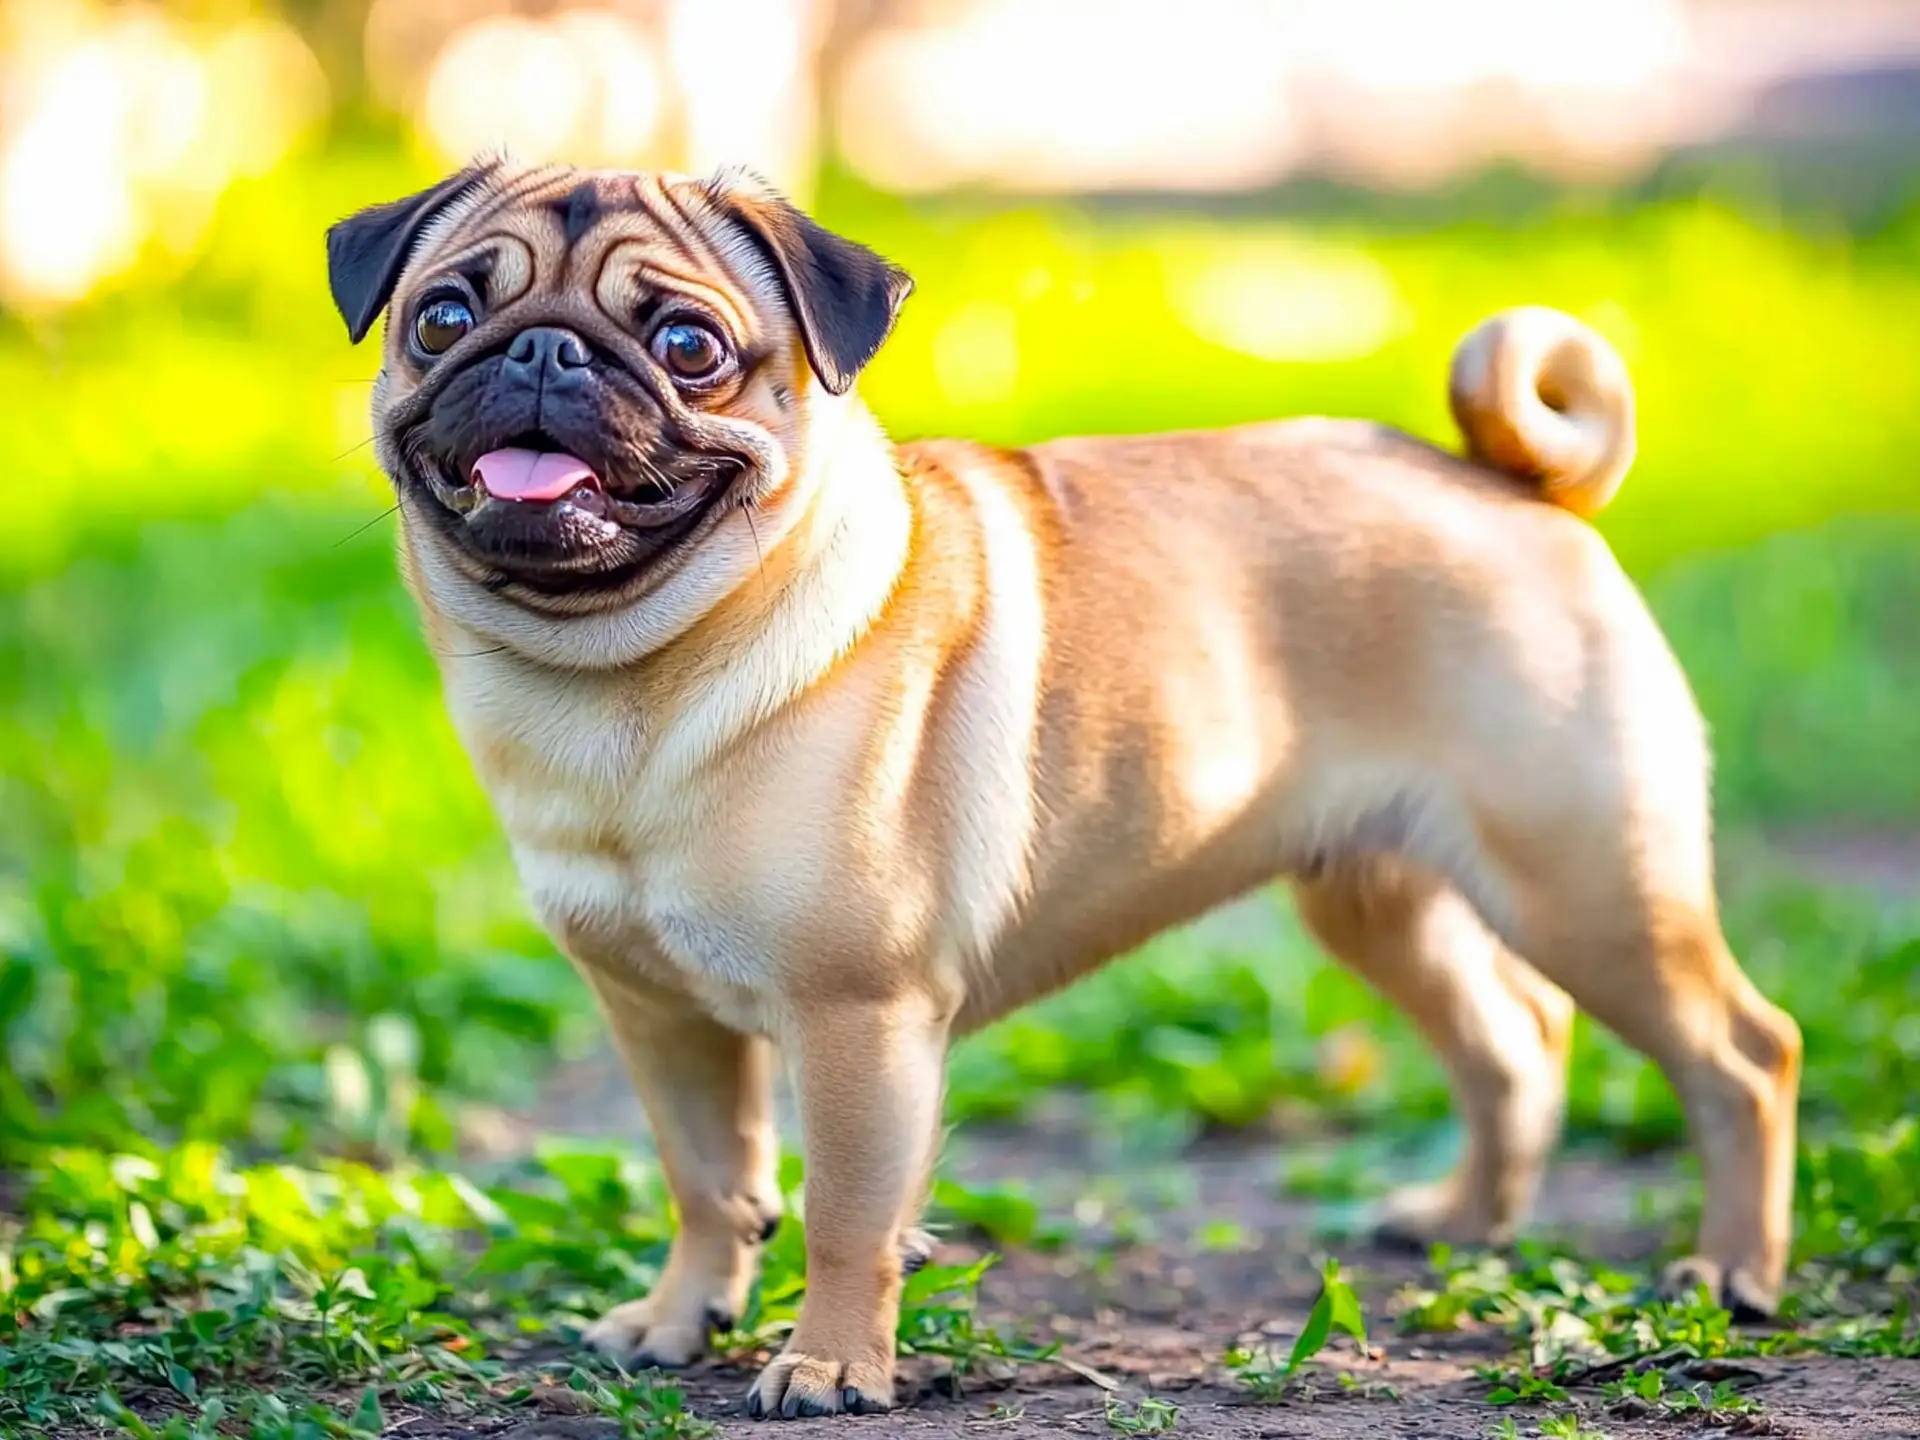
x=976 y=354
x=1288 y=300
x=1044 y=95
x=127 y=130
x=584 y=86
x=1062 y=94
x=744 y=73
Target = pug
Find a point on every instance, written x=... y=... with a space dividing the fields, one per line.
x=815 y=744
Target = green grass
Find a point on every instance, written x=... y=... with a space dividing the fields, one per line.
x=177 y=1282
x=1589 y=1332
x=261 y=954
x=181 y=1285
x=1151 y=1416
x=1266 y=1377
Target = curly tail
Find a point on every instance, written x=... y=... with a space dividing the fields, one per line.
x=1539 y=395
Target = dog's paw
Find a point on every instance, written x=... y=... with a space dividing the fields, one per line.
x=1740 y=1292
x=647 y=1334
x=796 y=1385
x=1418 y=1217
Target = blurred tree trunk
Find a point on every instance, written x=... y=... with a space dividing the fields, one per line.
x=337 y=31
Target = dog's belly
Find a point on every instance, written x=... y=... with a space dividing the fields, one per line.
x=1053 y=948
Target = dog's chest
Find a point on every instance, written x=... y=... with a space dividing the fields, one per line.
x=615 y=844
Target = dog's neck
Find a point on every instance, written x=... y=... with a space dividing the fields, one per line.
x=826 y=552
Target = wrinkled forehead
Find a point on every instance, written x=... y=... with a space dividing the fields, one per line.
x=615 y=234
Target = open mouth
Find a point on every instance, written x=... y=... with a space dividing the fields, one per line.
x=531 y=469
x=532 y=474
x=536 y=509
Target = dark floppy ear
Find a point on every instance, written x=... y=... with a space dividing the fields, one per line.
x=844 y=296
x=366 y=252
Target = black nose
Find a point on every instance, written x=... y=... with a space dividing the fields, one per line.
x=546 y=353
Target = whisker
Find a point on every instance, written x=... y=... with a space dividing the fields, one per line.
x=656 y=476
x=746 y=509
x=361 y=530
x=350 y=449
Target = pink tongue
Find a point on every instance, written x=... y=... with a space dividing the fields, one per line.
x=532 y=474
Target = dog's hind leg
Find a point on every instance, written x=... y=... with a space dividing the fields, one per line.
x=1498 y=1027
x=1593 y=820
x=1637 y=943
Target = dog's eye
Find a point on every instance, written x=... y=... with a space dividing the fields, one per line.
x=441 y=323
x=689 y=351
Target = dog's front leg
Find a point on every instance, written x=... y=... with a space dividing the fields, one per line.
x=708 y=1094
x=869 y=1075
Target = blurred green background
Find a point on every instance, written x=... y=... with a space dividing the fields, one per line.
x=236 y=835
x=245 y=873
x=250 y=893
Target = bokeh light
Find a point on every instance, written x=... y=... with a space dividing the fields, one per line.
x=129 y=121
x=123 y=128
x=745 y=74
x=584 y=85
x=1066 y=94
x=1220 y=94
x=1291 y=300
x=976 y=354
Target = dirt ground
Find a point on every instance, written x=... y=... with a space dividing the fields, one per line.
x=1156 y=1320
x=1153 y=1316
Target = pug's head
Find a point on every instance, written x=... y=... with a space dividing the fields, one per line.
x=588 y=375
